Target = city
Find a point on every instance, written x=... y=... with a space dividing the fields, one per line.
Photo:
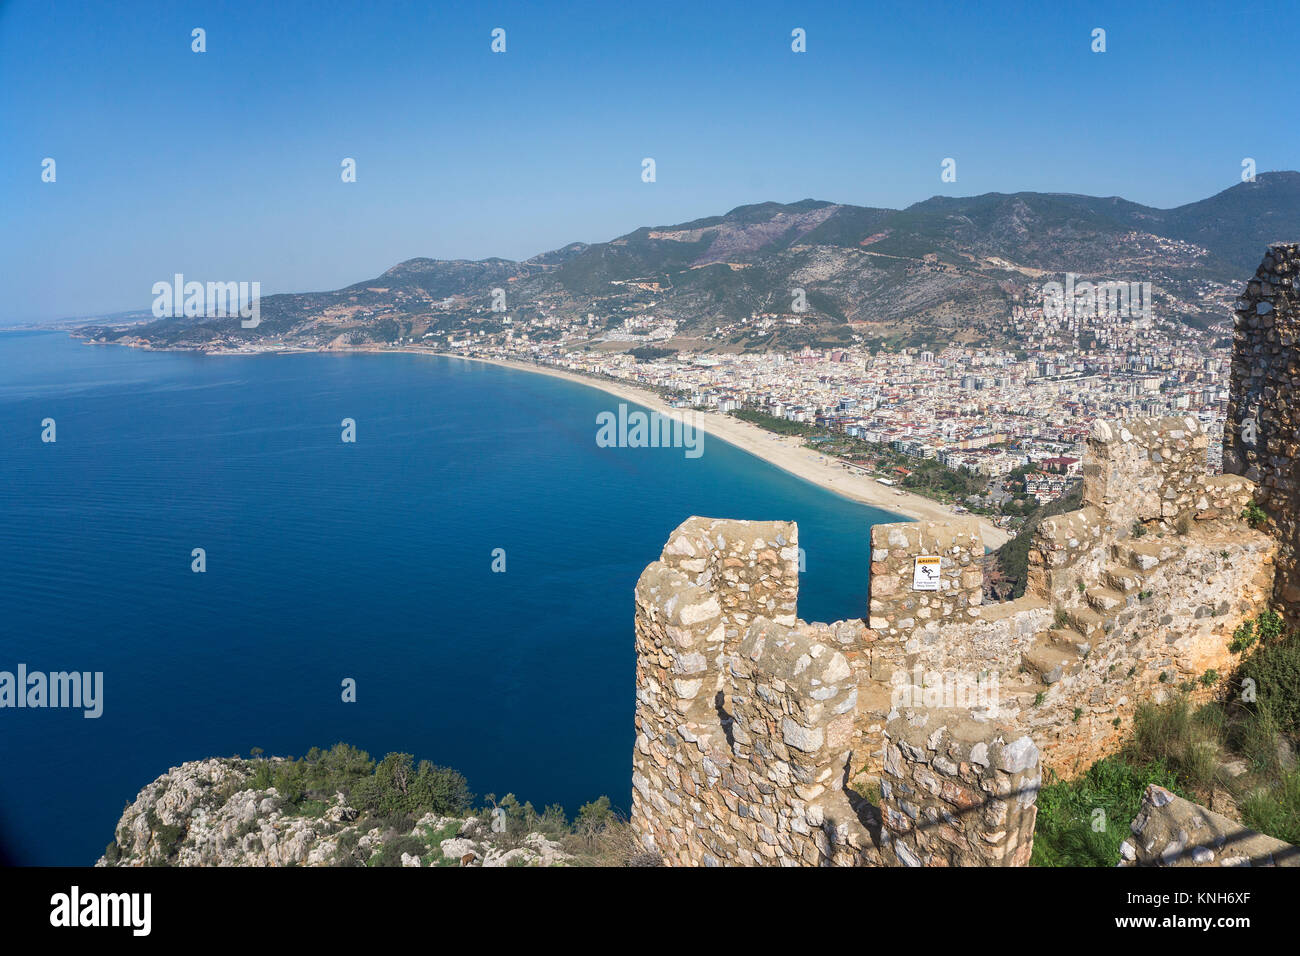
x=989 y=411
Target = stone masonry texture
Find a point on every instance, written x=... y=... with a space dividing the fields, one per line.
x=957 y=793
x=759 y=736
x=1262 y=441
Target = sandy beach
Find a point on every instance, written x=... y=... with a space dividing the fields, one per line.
x=785 y=453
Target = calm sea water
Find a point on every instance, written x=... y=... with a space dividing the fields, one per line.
x=328 y=560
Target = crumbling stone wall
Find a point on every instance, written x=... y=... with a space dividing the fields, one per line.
x=1171 y=831
x=743 y=715
x=757 y=733
x=901 y=657
x=746 y=716
x=1262 y=440
x=1145 y=469
x=1168 y=630
x=1132 y=596
x=957 y=793
x=794 y=701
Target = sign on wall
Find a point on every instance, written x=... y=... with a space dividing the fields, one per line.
x=925 y=573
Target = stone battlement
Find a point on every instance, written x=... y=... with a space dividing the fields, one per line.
x=1132 y=595
x=957 y=792
x=744 y=714
x=758 y=734
x=1262 y=440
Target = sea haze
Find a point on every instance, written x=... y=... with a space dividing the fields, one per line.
x=328 y=560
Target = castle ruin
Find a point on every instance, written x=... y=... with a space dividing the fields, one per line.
x=1262 y=441
x=918 y=735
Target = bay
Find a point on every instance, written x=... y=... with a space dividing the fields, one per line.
x=327 y=560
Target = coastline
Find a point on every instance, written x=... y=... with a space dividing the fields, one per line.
x=786 y=453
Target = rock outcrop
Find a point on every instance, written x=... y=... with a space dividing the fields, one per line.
x=1171 y=831
x=207 y=813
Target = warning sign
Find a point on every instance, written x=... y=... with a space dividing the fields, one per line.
x=925 y=575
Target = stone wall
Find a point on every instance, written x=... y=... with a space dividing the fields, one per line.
x=1171 y=831
x=895 y=609
x=1262 y=440
x=1145 y=469
x=746 y=717
x=793 y=706
x=758 y=734
x=743 y=715
x=957 y=793
x=1132 y=596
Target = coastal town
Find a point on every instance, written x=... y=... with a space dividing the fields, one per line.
x=928 y=421
x=1013 y=418
x=898 y=358
x=995 y=429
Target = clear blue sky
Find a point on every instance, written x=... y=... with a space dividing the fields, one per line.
x=225 y=165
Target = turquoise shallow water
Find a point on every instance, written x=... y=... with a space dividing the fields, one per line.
x=328 y=560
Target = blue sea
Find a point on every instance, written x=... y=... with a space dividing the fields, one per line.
x=327 y=560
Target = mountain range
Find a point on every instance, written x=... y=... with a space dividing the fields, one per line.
x=945 y=269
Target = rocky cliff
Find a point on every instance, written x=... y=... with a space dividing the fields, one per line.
x=210 y=813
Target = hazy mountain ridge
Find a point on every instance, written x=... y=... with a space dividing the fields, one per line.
x=943 y=268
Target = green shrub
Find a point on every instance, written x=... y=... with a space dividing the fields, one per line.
x=393 y=823
x=390 y=854
x=397 y=787
x=346 y=851
x=520 y=819
x=307 y=808
x=1274 y=667
x=1243 y=637
x=1172 y=734
x=167 y=838
x=593 y=817
x=1276 y=811
x=1254 y=515
x=312 y=780
x=261 y=778
x=1069 y=831
x=1270 y=626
